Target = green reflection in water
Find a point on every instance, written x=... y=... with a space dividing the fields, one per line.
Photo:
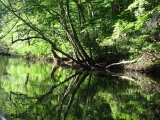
x=42 y=92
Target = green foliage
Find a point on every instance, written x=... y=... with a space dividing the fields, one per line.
x=136 y=34
x=95 y=27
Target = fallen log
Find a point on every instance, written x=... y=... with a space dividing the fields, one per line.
x=122 y=63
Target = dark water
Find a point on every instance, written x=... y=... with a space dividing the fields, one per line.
x=38 y=91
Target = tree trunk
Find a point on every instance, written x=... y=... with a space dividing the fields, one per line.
x=54 y=55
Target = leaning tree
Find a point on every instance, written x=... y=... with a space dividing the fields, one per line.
x=72 y=28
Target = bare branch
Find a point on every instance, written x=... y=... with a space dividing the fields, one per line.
x=3 y=36
x=24 y=39
x=122 y=63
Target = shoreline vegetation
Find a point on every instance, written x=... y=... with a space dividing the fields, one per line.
x=147 y=63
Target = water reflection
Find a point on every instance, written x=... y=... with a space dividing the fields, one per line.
x=41 y=92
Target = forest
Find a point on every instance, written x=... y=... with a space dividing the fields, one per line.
x=88 y=33
x=43 y=42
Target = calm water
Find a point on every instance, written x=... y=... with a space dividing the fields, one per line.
x=38 y=91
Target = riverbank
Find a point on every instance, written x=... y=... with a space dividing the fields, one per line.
x=148 y=62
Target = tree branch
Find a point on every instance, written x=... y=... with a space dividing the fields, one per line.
x=24 y=39
x=5 y=34
x=122 y=63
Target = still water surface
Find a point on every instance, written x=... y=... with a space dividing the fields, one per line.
x=39 y=91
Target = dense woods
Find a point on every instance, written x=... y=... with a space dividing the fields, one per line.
x=88 y=33
x=91 y=34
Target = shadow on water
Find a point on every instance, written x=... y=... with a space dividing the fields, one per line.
x=41 y=92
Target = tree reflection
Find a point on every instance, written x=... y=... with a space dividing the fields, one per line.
x=62 y=107
x=78 y=94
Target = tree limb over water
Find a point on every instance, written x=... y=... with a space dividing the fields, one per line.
x=122 y=63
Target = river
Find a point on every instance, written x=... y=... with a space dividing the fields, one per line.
x=41 y=91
